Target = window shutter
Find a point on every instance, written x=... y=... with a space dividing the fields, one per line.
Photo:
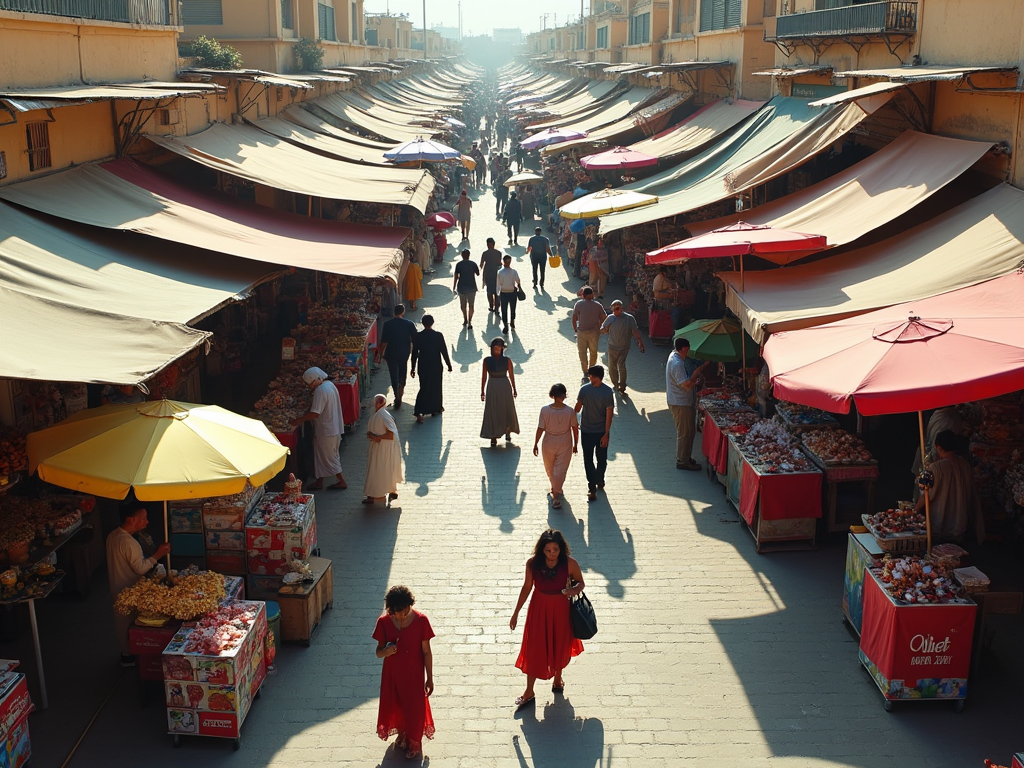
x=208 y=12
x=733 y=13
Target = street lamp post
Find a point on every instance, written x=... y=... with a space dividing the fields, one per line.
x=425 y=29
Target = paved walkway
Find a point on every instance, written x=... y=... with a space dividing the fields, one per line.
x=708 y=654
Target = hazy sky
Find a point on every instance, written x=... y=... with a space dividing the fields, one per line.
x=480 y=16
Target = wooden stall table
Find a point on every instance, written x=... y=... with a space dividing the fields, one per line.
x=303 y=604
x=835 y=474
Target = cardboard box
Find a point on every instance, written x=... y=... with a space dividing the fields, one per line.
x=19 y=745
x=186 y=520
x=187 y=544
x=220 y=519
x=182 y=721
x=232 y=563
x=204 y=697
x=15 y=703
x=225 y=540
x=222 y=724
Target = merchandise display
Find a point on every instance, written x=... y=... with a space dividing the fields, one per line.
x=904 y=519
x=912 y=579
x=278 y=532
x=13 y=454
x=770 y=449
x=184 y=595
x=15 y=707
x=29 y=524
x=836 y=447
x=36 y=581
x=801 y=416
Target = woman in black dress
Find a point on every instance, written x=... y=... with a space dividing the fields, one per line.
x=428 y=349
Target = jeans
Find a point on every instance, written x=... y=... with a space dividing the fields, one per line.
x=508 y=300
x=398 y=368
x=617 y=365
x=591 y=442
x=513 y=230
x=586 y=344
x=541 y=263
x=686 y=427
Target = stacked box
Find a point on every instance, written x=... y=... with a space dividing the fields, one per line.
x=185 y=522
x=223 y=521
x=15 y=706
x=211 y=695
x=278 y=532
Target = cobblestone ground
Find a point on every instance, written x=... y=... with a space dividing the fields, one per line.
x=708 y=654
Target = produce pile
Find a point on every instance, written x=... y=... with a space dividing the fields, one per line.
x=836 y=446
x=184 y=595
x=222 y=629
x=804 y=416
x=890 y=522
x=281 y=510
x=916 y=580
x=23 y=520
x=771 y=449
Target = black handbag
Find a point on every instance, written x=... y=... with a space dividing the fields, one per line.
x=584 y=621
x=520 y=293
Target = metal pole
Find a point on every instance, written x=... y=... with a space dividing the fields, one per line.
x=44 y=700
x=425 y=29
x=925 y=491
x=167 y=538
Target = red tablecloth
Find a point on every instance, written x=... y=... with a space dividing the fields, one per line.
x=916 y=651
x=289 y=439
x=349 y=394
x=782 y=496
x=714 y=445
x=371 y=335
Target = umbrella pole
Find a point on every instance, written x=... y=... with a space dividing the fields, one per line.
x=167 y=538
x=657 y=231
x=743 y=354
x=925 y=491
x=741 y=273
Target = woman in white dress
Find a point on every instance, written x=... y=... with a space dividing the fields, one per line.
x=384 y=459
x=561 y=433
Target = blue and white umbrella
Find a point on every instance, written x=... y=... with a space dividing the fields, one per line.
x=423 y=151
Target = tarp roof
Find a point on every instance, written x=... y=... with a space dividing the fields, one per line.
x=579 y=104
x=126 y=196
x=28 y=99
x=797 y=71
x=315 y=141
x=611 y=110
x=304 y=118
x=341 y=108
x=699 y=129
x=923 y=72
x=977 y=241
x=252 y=154
x=256 y=76
x=866 y=195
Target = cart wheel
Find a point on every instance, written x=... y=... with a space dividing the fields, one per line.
x=888 y=705
x=959 y=706
x=236 y=745
x=176 y=740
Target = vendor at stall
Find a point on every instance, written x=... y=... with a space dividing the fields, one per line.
x=664 y=290
x=325 y=411
x=953 y=499
x=126 y=565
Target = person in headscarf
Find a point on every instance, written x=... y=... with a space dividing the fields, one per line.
x=325 y=412
x=384 y=459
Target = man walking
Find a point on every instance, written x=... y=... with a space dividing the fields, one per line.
x=329 y=425
x=513 y=217
x=490 y=263
x=621 y=328
x=587 y=317
x=679 y=392
x=596 y=406
x=429 y=349
x=465 y=286
x=539 y=249
x=501 y=191
x=396 y=339
x=509 y=286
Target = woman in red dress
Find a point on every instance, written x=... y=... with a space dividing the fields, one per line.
x=548 y=642
x=403 y=641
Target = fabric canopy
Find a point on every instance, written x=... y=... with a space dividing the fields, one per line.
x=698 y=130
x=343 y=109
x=610 y=110
x=319 y=141
x=249 y=153
x=867 y=195
x=977 y=241
x=124 y=195
x=783 y=134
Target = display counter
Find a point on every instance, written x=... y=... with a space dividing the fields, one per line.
x=303 y=603
x=862 y=552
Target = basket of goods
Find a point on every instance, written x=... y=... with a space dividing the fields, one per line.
x=770 y=449
x=835 y=447
x=920 y=581
x=898 y=530
x=182 y=596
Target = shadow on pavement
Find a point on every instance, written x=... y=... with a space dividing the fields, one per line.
x=560 y=739
x=500 y=495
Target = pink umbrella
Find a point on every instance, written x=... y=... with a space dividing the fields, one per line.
x=441 y=220
x=552 y=136
x=616 y=158
x=777 y=245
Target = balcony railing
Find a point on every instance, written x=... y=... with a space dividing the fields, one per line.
x=891 y=17
x=127 y=11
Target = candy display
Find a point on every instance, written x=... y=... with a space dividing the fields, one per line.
x=903 y=520
x=795 y=415
x=279 y=531
x=771 y=449
x=222 y=629
x=836 y=446
x=24 y=521
x=36 y=581
x=916 y=580
x=184 y=595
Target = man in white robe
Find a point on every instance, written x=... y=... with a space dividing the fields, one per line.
x=384 y=459
x=329 y=426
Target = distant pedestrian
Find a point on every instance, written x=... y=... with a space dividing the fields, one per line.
x=329 y=425
x=384 y=458
x=501 y=191
x=490 y=264
x=539 y=249
x=529 y=201
x=396 y=337
x=587 y=318
x=548 y=643
x=464 y=213
x=679 y=385
x=403 y=642
x=621 y=328
x=498 y=393
x=464 y=286
x=429 y=349
x=596 y=406
x=513 y=217
x=509 y=286
x=561 y=432
x=597 y=258
x=520 y=156
x=413 y=283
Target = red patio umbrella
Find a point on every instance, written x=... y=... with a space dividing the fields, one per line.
x=959 y=346
x=616 y=158
x=780 y=246
x=441 y=220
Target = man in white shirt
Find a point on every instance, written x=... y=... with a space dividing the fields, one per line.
x=325 y=410
x=126 y=565
x=508 y=287
x=679 y=393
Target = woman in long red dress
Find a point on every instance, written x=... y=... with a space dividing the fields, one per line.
x=403 y=641
x=548 y=642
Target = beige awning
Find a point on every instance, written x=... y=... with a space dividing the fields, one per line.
x=784 y=73
x=974 y=242
x=306 y=119
x=875 y=89
x=122 y=195
x=249 y=153
x=341 y=108
x=699 y=129
x=335 y=146
x=867 y=195
x=611 y=110
x=923 y=72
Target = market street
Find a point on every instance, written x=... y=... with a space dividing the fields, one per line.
x=707 y=653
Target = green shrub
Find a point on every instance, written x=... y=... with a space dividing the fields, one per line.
x=309 y=55
x=211 y=54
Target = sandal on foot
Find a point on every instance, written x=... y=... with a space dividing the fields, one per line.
x=368 y=500
x=494 y=442
x=556 y=504
x=522 y=703
x=410 y=755
x=556 y=688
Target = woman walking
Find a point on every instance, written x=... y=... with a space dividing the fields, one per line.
x=403 y=641
x=561 y=433
x=498 y=392
x=463 y=213
x=548 y=642
x=413 y=283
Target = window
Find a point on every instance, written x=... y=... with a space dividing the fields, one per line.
x=371 y=37
x=640 y=29
x=581 y=43
x=38 y=145
x=684 y=15
x=720 y=14
x=356 y=37
x=287 y=14
x=202 y=12
x=602 y=37
x=326 y=15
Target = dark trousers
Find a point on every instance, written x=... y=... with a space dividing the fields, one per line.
x=542 y=263
x=509 y=299
x=398 y=368
x=499 y=204
x=513 y=229
x=591 y=442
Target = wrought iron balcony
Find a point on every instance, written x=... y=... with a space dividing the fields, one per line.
x=893 y=17
x=126 y=11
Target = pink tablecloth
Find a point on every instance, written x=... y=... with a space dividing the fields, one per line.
x=782 y=496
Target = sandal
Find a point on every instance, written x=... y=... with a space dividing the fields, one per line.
x=494 y=442
x=556 y=504
x=419 y=419
x=522 y=703
x=556 y=688
x=368 y=500
x=410 y=755
x=338 y=487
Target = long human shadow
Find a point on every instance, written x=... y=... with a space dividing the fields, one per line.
x=560 y=739
x=517 y=352
x=431 y=458
x=601 y=546
x=500 y=495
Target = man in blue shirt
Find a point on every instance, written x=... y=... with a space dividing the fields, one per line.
x=396 y=337
x=679 y=392
x=539 y=248
x=596 y=406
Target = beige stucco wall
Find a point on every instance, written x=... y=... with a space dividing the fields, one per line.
x=77 y=135
x=243 y=19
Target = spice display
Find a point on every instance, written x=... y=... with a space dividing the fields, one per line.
x=916 y=580
x=771 y=449
x=797 y=415
x=184 y=595
x=903 y=520
x=836 y=446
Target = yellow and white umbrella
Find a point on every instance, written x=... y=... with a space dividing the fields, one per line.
x=526 y=177
x=604 y=202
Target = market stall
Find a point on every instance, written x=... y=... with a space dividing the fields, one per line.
x=15 y=707
x=302 y=597
x=844 y=459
